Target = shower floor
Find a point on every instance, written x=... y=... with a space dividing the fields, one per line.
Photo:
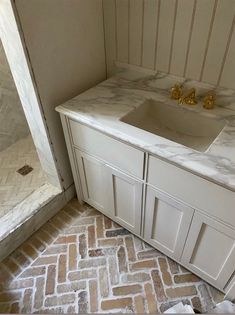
x=14 y=187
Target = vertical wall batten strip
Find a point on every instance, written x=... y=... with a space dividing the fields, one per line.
x=172 y=36
x=226 y=51
x=129 y=19
x=116 y=38
x=143 y=26
x=190 y=36
x=122 y=30
x=109 y=32
x=105 y=48
x=136 y=31
x=157 y=32
x=142 y=35
x=149 y=34
x=209 y=37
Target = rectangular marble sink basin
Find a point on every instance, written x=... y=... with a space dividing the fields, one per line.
x=177 y=124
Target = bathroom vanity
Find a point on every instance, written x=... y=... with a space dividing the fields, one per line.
x=168 y=180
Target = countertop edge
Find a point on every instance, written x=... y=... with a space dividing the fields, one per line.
x=65 y=111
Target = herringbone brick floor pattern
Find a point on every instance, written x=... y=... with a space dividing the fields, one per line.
x=14 y=187
x=81 y=261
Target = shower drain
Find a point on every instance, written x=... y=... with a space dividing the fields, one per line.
x=25 y=170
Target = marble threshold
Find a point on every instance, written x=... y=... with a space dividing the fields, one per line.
x=27 y=208
x=28 y=216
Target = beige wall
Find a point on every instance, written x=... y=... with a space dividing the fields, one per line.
x=190 y=38
x=13 y=125
x=65 y=43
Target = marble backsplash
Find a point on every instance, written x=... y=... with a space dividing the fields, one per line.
x=13 y=124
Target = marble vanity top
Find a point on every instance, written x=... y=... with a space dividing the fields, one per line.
x=103 y=106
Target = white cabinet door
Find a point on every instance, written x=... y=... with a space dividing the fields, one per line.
x=210 y=250
x=167 y=222
x=92 y=175
x=124 y=199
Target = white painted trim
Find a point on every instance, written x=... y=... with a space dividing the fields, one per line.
x=230 y=291
x=70 y=193
x=76 y=176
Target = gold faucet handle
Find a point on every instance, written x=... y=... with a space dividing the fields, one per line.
x=209 y=101
x=176 y=92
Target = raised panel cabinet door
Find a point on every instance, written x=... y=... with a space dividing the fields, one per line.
x=210 y=250
x=92 y=175
x=167 y=222
x=124 y=199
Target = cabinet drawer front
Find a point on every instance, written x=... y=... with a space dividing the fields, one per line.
x=193 y=190
x=167 y=222
x=210 y=250
x=114 y=152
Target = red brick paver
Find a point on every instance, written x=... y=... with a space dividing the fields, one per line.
x=81 y=261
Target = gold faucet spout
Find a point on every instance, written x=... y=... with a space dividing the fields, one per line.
x=189 y=97
x=190 y=93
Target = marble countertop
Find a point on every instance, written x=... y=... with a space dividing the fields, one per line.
x=103 y=106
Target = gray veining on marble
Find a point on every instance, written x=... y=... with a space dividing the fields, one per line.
x=103 y=106
x=13 y=125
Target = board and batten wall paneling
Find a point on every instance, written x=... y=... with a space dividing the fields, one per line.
x=189 y=38
x=136 y=12
x=182 y=32
x=228 y=72
x=109 y=10
x=150 y=23
x=201 y=27
x=218 y=41
x=165 y=34
x=122 y=24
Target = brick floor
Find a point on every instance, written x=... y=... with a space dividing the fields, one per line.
x=80 y=261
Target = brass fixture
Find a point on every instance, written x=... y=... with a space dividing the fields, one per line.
x=176 y=92
x=209 y=101
x=189 y=98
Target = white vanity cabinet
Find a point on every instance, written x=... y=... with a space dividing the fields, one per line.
x=188 y=218
x=210 y=250
x=167 y=222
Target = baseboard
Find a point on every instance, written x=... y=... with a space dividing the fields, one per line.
x=70 y=193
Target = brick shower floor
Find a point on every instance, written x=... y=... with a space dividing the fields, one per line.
x=80 y=261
